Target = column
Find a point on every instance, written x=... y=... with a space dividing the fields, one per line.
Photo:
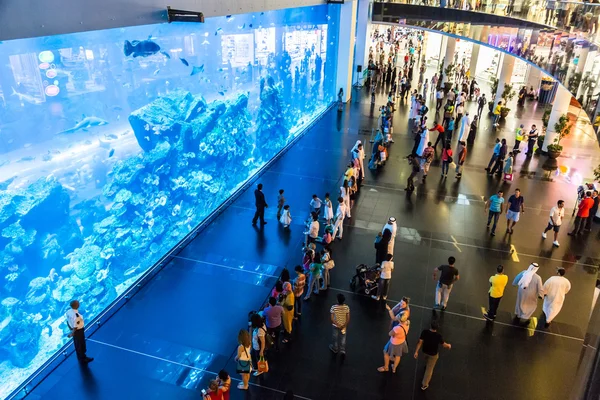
x=361 y=51
x=534 y=77
x=583 y=55
x=474 y=58
x=506 y=71
x=449 y=57
x=559 y=107
x=586 y=66
x=346 y=32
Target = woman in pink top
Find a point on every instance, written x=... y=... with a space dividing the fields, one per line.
x=396 y=345
x=446 y=157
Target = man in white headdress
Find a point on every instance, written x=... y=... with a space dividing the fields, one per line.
x=393 y=228
x=555 y=290
x=530 y=288
x=463 y=129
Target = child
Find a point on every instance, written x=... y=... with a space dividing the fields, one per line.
x=315 y=204
x=328 y=264
x=518 y=138
x=328 y=209
x=315 y=275
x=286 y=217
x=327 y=236
x=508 y=163
x=308 y=256
x=280 y=203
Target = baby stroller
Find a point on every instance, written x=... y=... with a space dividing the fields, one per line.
x=365 y=280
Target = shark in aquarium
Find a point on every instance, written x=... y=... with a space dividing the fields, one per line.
x=25 y=97
x=85 y=123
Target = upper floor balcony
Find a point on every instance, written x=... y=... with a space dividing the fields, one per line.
x=569 y=56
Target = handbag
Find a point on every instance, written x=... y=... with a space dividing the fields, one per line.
x=243 y=366
x=450 y=160
x=263 y=365
x=508 y=177
x=405 y=348
x=269 y=341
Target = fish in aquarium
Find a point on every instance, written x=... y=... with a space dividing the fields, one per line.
x=25 y=97
x=142 y=48
x=197 y=70
x=85 y=123
x=184 y=62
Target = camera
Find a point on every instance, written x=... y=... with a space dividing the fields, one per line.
x=203 y=391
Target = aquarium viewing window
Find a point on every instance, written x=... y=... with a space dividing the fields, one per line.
x=116 y=144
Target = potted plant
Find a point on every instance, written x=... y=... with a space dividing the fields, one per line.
x=546 y=117
x=562 y=129
x=507 y=94
x=494 y=89
x=448 y=74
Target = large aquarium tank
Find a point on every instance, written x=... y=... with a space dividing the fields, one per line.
x=115 y=144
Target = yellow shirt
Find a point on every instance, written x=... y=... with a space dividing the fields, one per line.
x=498 y=283
x=497 y=110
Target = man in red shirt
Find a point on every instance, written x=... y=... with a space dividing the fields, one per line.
x=582 y=214
x=441 y=135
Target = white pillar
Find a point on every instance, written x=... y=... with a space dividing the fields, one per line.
x=508 y=64
x=559 y=107
x=534 y=77
x=361 y=51
x=587 y=66
x=449 y=57
x=346 y=33
x=474 y=58
x=583 y=55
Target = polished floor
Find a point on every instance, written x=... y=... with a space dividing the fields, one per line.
x=172 y=337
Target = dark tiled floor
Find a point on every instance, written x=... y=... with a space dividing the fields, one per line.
x=171 y=338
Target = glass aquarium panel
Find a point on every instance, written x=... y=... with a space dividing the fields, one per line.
x=115 y=144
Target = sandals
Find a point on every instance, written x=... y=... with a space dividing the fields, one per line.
x=383 y=369
x=241 y=386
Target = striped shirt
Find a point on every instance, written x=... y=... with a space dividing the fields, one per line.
x=299 y=284
x=340 y=313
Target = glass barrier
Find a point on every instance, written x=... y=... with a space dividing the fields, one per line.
x=116 y=144
x=571 y=16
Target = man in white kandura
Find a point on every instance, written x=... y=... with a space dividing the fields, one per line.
x=530 y=288
x=393 y=228
x=340 y=214
x=555 y=290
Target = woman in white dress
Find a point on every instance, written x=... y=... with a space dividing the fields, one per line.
x=345 y=194
x=424 y=139
x=327 y=209
x=414 y=105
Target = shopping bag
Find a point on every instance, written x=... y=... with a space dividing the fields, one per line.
x=508 y=177
x=383 y=156
x=263 y=365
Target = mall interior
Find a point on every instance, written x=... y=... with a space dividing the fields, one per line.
x=133 y=140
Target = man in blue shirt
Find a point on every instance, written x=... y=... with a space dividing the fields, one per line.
x=514 y=209
x=494 y=205
x=495 y=155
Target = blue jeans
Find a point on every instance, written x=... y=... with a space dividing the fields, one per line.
x=494 y=215
x=445 y=167
x=339 y=340
x=496 y=118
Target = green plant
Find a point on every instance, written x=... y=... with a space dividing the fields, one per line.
x=505 y=110
x=562 y=128
x=508 y=93
x=494 y=86
x=597 y=173
x=546 y=117
x=448 y=70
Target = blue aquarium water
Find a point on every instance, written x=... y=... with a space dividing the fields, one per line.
x=115 y=144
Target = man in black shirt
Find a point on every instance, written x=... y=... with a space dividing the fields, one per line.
x=430 y=341
x=448 y=276
x=261 y=204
